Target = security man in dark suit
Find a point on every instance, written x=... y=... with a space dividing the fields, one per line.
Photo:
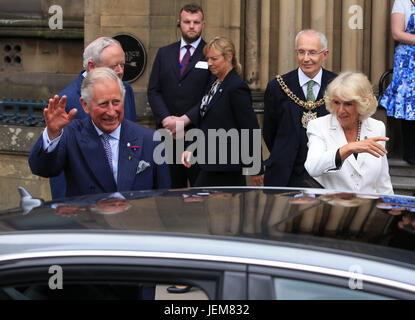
x=177 y=83
x=291 y=101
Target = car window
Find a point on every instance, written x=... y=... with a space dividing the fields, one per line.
x=97 y=291
x=287 y=289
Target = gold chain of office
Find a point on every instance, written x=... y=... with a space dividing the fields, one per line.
x=309 y=105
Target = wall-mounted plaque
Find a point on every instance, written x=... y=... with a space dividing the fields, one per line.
x=135 y=56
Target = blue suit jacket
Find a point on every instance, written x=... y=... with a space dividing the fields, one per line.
x=170 y=94
x=284 y=133
x=73 y=93
x=81 y=155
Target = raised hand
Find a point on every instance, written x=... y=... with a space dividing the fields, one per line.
x=370 y=145
x=56 y=117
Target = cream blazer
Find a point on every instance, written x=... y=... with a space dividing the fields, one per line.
x=367 y=174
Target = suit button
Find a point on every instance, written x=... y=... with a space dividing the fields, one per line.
x=180 y=85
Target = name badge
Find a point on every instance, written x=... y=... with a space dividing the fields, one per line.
x=201 y=65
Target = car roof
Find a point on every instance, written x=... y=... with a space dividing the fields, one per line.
x=381 y=226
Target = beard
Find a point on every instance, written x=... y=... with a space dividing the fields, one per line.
x=189 y=39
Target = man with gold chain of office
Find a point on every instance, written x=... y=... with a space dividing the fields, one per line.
x=291 y=102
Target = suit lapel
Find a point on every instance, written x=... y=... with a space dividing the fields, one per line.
x=94 y=155
x=175 y=59
x=324 y=83
x=219 y=92
x=294 y=84
x=365 y=133
x=129 y=157
x=339 y=139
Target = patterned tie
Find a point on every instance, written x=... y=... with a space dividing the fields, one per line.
x=185 y=60
x=107 y=148
x=310 y=93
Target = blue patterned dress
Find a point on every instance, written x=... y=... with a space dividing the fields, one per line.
x=399 y=97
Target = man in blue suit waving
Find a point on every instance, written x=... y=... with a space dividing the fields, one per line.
x=102 y=52
x=102 y=153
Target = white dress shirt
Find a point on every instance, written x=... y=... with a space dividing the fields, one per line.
x=304 y=79
x=183 y=49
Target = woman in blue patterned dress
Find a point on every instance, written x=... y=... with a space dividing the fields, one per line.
x=399 y=97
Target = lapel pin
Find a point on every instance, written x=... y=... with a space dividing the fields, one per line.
x=128 y=145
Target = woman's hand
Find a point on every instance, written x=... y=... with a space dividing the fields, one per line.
x=186 y=156
x=370 y=145
x=258 y=180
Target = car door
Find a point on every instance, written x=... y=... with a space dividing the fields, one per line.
x=116 y=276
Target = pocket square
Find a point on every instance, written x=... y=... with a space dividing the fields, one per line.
x=142 y=166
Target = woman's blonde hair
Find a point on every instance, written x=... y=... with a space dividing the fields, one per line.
x=352 y=86
x=225 y=47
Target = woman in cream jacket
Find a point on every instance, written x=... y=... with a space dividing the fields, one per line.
x=347 y=147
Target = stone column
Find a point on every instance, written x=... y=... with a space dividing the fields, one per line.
x=380 y=34
x=290 y=14
x=322 y=19
x=252 y=37
x=352 y=36
x=265 y=42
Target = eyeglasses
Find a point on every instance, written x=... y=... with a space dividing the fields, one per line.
x=113 y=67
x=311 y=53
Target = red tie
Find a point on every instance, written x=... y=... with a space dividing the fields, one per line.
x=185 y=60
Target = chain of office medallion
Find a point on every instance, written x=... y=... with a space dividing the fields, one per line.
x=309 y=105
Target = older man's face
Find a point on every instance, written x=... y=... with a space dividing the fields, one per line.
x=113 y=57
x=310 y=55
x=106 y=107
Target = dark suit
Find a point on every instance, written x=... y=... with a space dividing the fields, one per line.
x=170 y=94
x=73 y=93
x=80 y=154
x=284 y=133
x=230 y=108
